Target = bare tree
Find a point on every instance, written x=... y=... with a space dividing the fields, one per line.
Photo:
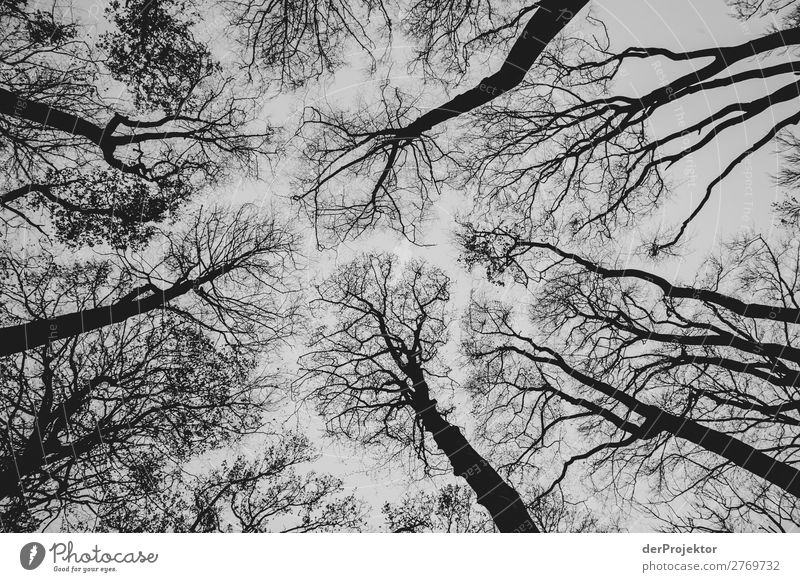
x=452 y=509
x=563 y=147
x=96 y=411
x=136 y=324
x=575 y=152
x=179 y=120
x=265 y=494
x=668 y=379
x=380 y=142
x=196 y=122
x=100 y=434
x=227 y=271
x=375 y=369
x=291 y=44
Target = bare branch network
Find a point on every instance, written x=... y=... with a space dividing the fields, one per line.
x=199 y=294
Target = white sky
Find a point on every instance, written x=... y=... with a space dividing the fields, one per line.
x=741 y=203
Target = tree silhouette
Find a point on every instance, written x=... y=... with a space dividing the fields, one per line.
x=452 y=510
x=374 y=372
x=96 y=410
x=98 y=435
x=668 y=379
x=392 y=141
x=152 y=315
x=262 y=495
x=201 y=274
x=590 y=157
x=292 y=44
x=178 y=122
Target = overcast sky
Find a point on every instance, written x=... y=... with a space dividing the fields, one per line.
x=743 y=202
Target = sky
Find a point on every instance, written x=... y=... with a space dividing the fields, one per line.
x=743 y=202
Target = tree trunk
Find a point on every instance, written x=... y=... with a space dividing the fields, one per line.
x=550 y=18
x=737 y=452
x=18 y=338
x=499 y=498
x=729 y=447
x=16 y=106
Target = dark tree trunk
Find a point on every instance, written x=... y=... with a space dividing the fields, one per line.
x=499 y=498
x=15 y=106
x=102 y=136
x=754 y=310
x=21 y=192
x=736 y=451
x=547 y=21
x=18 y=338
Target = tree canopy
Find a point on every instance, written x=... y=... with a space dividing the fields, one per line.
x=535 y=264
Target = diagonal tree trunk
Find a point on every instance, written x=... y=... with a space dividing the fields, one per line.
x=25 y=336
x=499 y=498
x=736 y=451
x=547 y=21
x=102 y=136
x=14 y=105
x=744 y=308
